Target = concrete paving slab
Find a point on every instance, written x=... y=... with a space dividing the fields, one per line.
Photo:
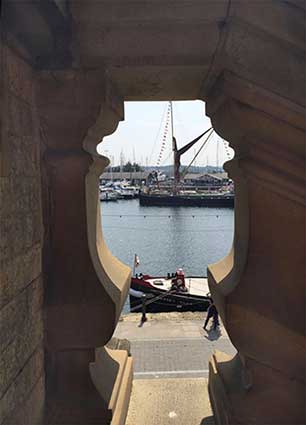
x=171 y=353
x=171 y=347
x=170 y=402
x=163 y=325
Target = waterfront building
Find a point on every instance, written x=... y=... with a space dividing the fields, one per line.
x=209 y=181
x=135 y=177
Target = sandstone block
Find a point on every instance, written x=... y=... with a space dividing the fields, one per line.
x=19 y=390
x=32 y=410
x=18 y=272
x=15 y=356
x=19 y=75
x=16 y=315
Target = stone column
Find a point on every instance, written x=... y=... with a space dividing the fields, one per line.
x=259 y=287
x=85 y=286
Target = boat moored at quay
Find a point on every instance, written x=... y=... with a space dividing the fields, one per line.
x=217 y=200
x=176 y=292
x=115 y=191
x=178 y=195
x=107 y=195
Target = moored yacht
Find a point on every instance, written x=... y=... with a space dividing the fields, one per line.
x=107 y=194
x=125 y=190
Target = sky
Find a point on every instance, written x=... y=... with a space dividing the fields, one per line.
x=140 y=136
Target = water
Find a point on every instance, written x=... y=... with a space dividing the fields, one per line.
x=166 y=238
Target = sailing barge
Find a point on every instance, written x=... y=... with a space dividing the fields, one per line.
x=172 y=293
x=178 y=196
x=216 y=200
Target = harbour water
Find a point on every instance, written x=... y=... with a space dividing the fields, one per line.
x=166 y=238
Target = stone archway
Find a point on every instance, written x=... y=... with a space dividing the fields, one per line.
x=257 y=114
x=247 y=61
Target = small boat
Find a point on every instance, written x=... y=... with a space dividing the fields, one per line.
x=128 y=192
x=125 y=190
x=176 y=292
x=107 y=194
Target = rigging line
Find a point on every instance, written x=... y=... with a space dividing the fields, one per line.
x=171 y=292
x=167 y=215
x=160 y=296
x=157 y=136
x=170 y=153
x=203 y=144
x=172 y=130
x=147 y=229
x=178 y=295
x=178 y=114
x=226 y=149
x=166 y=132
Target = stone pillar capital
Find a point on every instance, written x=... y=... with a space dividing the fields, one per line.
x=85 y=98
x=266 y=131
x=232 y=95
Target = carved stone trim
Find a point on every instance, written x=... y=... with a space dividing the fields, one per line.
x=225 y=275
x=113 y=274
x=260 y=127
x=262 y=303
x=230 y=85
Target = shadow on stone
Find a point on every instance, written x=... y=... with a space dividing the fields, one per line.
x=209 y=420
x=213 y=334
x=119 y=344
x=142 y=322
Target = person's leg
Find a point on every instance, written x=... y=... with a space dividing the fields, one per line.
x=144 y=309
x=207 y=320
x=215 y=321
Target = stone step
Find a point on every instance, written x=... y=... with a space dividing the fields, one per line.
x=111 y=374
x=123 y=399
x=171 y=401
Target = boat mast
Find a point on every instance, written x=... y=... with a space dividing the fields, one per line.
x=172 y=131
x=174 y=149
x=177 y=153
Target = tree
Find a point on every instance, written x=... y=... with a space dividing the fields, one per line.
x=128 y=167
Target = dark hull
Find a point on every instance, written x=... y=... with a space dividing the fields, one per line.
x=216 y=201
x=171 y=302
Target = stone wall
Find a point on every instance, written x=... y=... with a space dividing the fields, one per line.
x=21 y=287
